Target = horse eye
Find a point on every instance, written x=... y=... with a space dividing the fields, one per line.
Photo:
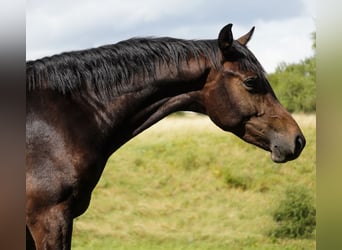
x=250 y=83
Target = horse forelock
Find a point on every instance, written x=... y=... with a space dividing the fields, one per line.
x=247 y=60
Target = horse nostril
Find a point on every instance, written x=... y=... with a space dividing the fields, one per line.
x=299 y=144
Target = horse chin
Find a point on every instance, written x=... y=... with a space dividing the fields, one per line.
x=277 y=157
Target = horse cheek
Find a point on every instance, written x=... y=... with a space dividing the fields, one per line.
x=220 y=108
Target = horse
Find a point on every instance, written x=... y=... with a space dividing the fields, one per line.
x=83 y=105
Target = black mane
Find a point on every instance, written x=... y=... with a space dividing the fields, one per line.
x=114 y=69
x=126 y=66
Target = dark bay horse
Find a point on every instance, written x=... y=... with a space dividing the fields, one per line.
x=84 y=105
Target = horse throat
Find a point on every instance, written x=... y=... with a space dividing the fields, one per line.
x=134 y=112
x=159 y=110
x=176 y=95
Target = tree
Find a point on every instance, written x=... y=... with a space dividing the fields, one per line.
x=295 y=83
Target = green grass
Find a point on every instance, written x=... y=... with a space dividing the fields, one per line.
x=185 y=184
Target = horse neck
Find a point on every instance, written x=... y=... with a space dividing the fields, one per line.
x=130 y=113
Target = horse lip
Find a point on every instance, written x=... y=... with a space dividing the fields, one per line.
x=276 y=155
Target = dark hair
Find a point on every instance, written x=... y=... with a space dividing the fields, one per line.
x=114 y=69
x=124 y=67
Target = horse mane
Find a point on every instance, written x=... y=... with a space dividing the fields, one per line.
x=123 y=67
x=117 y=68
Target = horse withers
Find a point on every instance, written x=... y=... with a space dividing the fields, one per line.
x=84 y=105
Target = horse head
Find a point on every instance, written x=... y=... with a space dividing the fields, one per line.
x=238 y=98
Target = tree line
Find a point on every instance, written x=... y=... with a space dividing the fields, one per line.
x=295 y=83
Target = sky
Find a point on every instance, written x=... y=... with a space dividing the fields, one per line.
x=282 y=28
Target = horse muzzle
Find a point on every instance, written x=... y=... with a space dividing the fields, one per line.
x=286 y=149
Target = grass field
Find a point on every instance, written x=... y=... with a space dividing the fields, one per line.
x=185 y=184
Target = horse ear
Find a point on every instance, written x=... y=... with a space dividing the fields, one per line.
x=225 y=38
x=245 y=38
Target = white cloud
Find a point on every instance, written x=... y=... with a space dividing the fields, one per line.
x=310 y=7
x=282 y=41
x=74 y=24
x=282 y=34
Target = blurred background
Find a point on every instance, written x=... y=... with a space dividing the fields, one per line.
x=284 y=42
x=198 y=187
